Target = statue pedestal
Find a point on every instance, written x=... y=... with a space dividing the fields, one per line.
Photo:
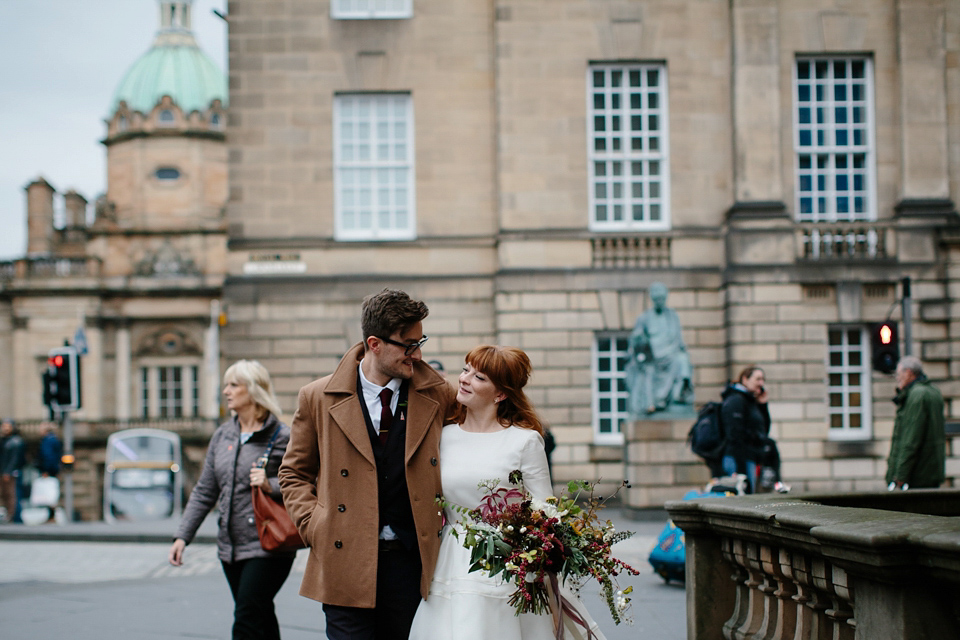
x=659 y=464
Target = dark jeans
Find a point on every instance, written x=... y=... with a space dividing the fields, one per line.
x=254 y=583
x=398 y=596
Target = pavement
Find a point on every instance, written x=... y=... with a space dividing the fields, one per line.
x=95 y=581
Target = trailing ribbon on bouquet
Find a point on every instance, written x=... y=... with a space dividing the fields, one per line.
x=560 y=607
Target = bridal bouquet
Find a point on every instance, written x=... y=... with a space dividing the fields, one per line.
x=533 y=543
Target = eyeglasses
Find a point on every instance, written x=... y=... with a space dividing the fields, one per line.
x=408 y=348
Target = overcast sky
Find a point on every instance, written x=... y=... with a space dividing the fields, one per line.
x=60 y=63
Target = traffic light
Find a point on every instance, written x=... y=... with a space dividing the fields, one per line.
x=886 y=346
x=61 y=380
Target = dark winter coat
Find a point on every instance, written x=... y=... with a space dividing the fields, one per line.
x=48 y=456
x=225 y=483
x=918 y=449
x=12 y=455
x=746 y=424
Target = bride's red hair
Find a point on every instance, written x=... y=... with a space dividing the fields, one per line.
x=509 y=369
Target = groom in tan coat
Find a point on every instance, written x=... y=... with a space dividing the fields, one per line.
x=361 y=475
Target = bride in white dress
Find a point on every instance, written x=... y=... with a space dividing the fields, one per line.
x=495 y=432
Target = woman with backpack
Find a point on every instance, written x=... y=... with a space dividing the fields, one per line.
x=746 y=422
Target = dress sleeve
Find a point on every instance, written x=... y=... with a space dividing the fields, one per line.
x=533 y=464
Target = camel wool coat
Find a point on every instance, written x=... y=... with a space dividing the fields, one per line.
x=329 y=481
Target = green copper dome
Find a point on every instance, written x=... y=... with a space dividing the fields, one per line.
x=174 y=66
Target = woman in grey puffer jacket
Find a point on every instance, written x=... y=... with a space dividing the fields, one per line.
x=229 y=473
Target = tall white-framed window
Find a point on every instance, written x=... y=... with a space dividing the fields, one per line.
x=374 y=197
x=610 y=393
x=371 y=9
x=169 y=391
x=834 y=139
x=628 y=147
x=848 y=383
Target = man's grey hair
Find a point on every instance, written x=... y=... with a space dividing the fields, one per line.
x=911 y=363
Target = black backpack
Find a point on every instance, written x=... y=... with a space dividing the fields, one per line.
x=706 y=437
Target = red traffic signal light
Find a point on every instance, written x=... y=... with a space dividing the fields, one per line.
x=61 y=380
x=885 y=347
x=886 y=334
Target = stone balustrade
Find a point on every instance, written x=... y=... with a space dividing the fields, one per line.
x=617 y=251
x=846 y=241
x=869 y=566
x=61 y=267
x=49 y=267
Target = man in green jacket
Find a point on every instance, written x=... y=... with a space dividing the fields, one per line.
x=918 y=449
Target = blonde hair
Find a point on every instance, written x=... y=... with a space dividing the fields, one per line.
x=254 y=376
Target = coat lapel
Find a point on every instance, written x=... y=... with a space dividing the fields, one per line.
x=346 y=412
x=422 y=410
x=420 y=413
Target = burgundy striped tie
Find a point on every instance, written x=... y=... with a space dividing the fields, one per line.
x=386 y=416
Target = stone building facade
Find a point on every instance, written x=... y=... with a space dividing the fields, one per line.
x=530 y=168
x=142 y=278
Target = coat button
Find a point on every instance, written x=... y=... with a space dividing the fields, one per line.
x=433 y=461
x=341 y=508
x=344 y=473
x=338 y=544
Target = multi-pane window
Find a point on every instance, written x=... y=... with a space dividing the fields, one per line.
x=370 y=9
x=374 y=172
x=610 y=393
x=848 y=383
x=628 y=147
x=169 y=391
x=834 y=139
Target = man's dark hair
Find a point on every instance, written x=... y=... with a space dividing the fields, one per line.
x=388 y=312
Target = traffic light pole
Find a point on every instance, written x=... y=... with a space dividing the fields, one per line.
x=905 y=310
x=68 y=468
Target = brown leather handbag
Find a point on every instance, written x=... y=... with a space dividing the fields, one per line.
x=274 y=526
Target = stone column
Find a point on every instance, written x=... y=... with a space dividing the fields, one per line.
x=923 y=100
x=210 y=376
x=7 y=375
x=92 y=372
x=26 y=355
x=123 y=372
x=708 y=569
x=756 y=104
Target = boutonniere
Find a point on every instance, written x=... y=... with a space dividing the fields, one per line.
x=402 y=408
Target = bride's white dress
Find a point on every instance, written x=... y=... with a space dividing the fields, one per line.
x=474 y=606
